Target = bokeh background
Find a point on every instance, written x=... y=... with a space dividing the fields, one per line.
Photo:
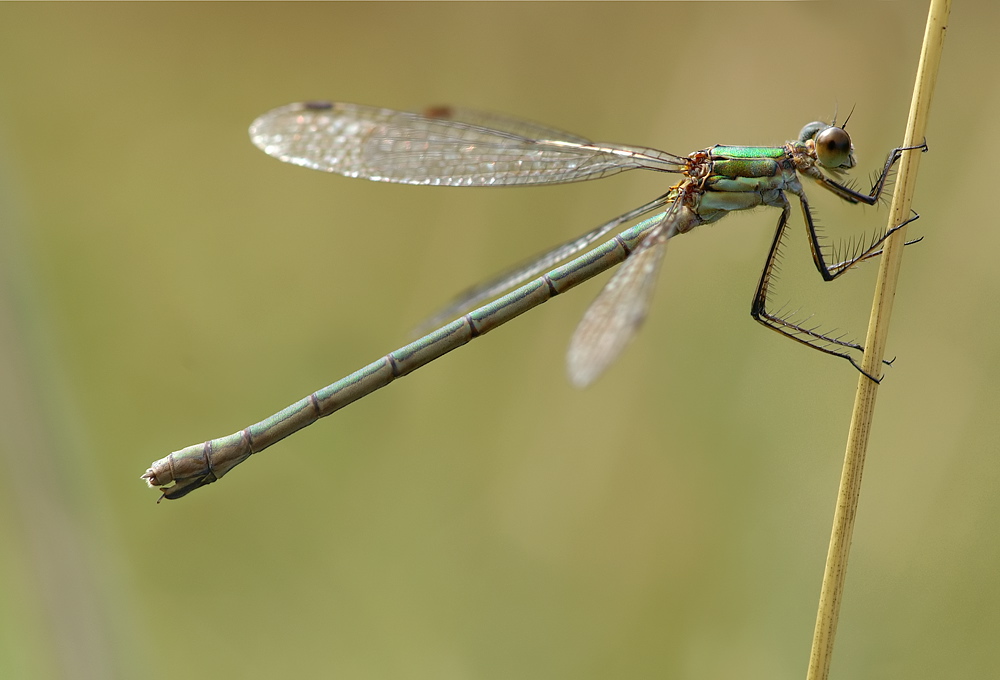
x=163 y=282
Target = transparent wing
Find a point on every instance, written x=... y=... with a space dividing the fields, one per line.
x=393 y=146
x=475 y=296
x=616 y=314
x=515 y=126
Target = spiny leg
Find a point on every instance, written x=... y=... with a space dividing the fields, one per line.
x=846 y=193
x=894 y=155
x=853 y=261
x=810 y=337
x=831 y=271
x=878 y=186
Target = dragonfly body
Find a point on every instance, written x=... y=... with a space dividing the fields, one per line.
x=465 y=148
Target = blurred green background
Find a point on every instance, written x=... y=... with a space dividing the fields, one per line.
x=163 y=282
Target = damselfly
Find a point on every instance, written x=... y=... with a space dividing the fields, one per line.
x=453 y=147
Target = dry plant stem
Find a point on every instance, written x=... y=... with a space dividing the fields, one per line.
x=878 y=329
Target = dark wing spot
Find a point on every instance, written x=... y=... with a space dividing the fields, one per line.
x=445 y=112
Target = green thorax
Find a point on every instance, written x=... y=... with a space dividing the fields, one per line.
x=741 y=178
x=747 y=151
x=745 y=162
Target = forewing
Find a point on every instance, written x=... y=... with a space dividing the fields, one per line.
x=393 y=146
x=515 y=126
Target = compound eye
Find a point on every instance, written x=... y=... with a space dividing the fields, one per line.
x=833 y=148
